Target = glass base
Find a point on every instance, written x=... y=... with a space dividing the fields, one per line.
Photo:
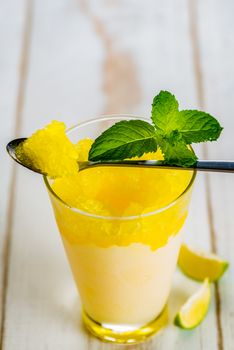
x=125 y=335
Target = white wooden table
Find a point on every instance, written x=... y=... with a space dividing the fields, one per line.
x=75 y=59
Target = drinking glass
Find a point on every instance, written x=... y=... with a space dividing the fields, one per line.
x=122 y=265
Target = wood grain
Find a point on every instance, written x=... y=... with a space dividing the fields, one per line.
x=218 y=68
x=119 y=76
x=194 y=28
x=11 y=34
x=89 y=57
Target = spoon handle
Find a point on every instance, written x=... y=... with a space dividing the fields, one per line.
x=215 y=166
x=201 y=165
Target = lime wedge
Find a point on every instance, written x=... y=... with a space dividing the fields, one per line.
x=199 y=265
x=194 y=310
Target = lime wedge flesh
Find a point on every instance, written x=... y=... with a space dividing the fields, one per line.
x=195 y=309
x=200 y=265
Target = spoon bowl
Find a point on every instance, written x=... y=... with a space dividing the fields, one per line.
x=11 y=149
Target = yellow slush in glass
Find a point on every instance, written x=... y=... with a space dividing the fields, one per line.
x=121 y=232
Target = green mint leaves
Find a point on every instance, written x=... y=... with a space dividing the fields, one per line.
x=172 y=131
x=177 y=152
x=164 y=110
x=125 y=139
x=177 y=129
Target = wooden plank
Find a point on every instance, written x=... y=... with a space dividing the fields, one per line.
x=218 y=70
x=85 y=58
x=45 y=292
x=11 y=27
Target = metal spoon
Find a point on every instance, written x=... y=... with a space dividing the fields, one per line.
x=201 y=165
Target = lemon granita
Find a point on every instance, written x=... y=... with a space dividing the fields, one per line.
x=121 y=230
x=121 y=226
x=50 y=151
x=120 y=192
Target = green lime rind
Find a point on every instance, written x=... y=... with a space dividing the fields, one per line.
x=225 y=267
x=199 y=265
x=199 y=300
x=179 y=322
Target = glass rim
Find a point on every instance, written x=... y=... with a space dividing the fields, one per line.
x=104 y=217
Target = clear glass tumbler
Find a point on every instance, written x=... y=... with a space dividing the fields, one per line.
x=123 y=265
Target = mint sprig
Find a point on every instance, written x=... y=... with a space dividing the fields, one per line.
x=172 y=131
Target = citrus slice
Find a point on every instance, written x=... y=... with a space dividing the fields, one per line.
x=194 y=310
x=199 y=265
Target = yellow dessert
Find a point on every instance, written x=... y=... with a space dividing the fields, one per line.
x=121 y=226
x=122 y=192
x=121 y=231
x=122 y=256
x=50 y=151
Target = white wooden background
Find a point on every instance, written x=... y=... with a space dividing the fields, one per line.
x=75 y=59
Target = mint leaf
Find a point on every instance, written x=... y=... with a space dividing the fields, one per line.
x=173 y=130
x=177 y=153
x=196 y=126
x=164 y=110
x=125 y=139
